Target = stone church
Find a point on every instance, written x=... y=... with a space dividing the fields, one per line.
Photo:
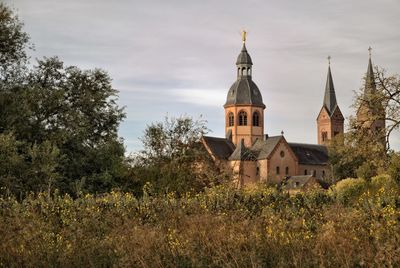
x=254 y=156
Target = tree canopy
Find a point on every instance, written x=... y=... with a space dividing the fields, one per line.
x=58 y=124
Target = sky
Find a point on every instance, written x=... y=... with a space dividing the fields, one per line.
x=173 y=58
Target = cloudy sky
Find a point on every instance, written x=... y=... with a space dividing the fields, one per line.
x=178 y=57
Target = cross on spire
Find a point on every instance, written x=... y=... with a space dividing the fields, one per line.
x=244 y=33
x=370 y=51
x=329 y=60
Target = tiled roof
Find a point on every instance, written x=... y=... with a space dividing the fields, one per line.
x=220 y=147
x=242 y=153
x=244 y=91
x=263 y=148
x=296 y=182
x=310 y=154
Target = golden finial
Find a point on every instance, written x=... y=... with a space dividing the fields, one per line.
x=369 y=51
x=244 y=33
x=329 y=60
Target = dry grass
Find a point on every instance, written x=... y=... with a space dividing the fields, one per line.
x=221 y=227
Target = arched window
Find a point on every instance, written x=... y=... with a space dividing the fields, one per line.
x=323 y=173
x=231 y=119
x=277 y=170
x=248 y=71
x=243 y=71
x=314 y=173
x=305 y=172
x=256 y=119
x=324 y=136
x=242 y=118
x=287 y=171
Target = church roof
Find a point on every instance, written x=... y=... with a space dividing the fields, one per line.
x=244 y=91
x=307 y=154
x=370 y=78
x=296 y=182
x=330 y=96
x=242 y=153
x=310 y=154
x=220 y=147
x=263 y=148
x=244 y=57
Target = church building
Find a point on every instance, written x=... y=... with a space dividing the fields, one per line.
x=257 y=157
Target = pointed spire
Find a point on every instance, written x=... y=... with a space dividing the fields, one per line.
x=370 y=78
x=330 y=96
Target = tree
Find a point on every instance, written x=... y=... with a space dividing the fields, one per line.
x=13 y=44
x=363 y=150
x=173 y=159
x=59 y=124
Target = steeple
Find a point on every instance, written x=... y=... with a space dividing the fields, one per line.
x=330 y=121
x=371 y=113
x=330 y=96
x=244 y=107
x=370 y=78
x=243 y=61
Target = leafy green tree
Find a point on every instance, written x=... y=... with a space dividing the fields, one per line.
x=173 y=158
x=63 y=121
x=13 y=44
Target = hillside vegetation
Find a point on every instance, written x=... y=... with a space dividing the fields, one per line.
x=355 y=223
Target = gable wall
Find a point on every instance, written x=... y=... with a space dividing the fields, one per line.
x=276 y=160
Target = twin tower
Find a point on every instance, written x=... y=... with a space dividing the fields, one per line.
x=244 y=107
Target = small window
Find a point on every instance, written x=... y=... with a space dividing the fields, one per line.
x=324 y=136
x=231 y=119
x=335 y=133
x=258 y=171
x=287 y=171
x=282 y=154
x=314 y=173
x=256 y=119
x=242 y=118
x=323 y=173
x=305 y=172
x=296 y=184
x=277 y=170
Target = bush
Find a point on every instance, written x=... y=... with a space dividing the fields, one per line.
x=221 y=226
x=348 y=190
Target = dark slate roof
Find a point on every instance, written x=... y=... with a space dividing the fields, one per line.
x=330 y=97
x=295 y=182
x=242 y=153
x=310 y=154
x=263 y=148
x=370 y=78
x=244 y=91
x=220 y=147
x=244 y=57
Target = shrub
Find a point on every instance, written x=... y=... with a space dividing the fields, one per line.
x=348 y=190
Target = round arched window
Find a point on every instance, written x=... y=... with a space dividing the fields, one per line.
x=231 y=119
x=282 y=154
x=242 y=118
x=256 y=119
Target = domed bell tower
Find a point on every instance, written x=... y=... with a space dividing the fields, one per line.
x=244 y=107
